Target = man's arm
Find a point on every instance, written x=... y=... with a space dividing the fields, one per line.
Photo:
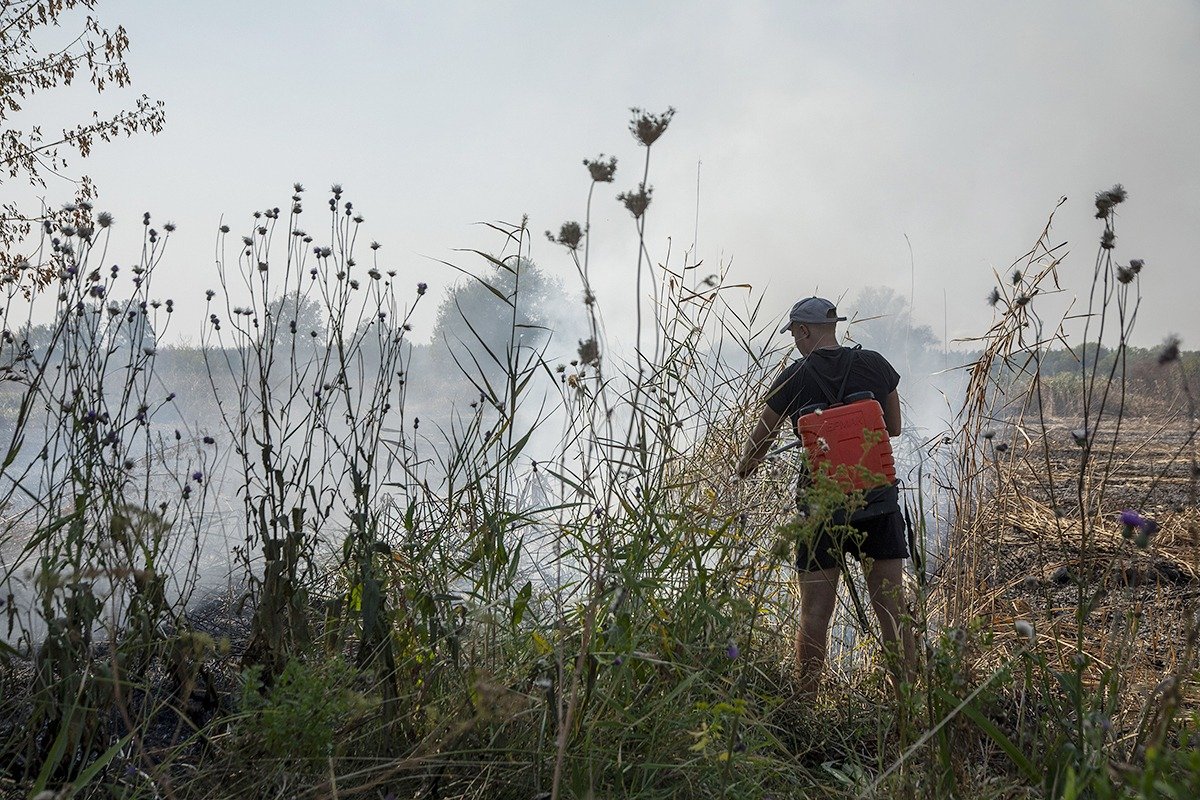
x=760 y=439
x=891 y=413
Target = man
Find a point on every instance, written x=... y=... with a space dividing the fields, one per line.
x=882 y=545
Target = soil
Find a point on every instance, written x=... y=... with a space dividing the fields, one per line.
x=1135 y=590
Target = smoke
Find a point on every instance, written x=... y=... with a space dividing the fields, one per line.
x=931 y=392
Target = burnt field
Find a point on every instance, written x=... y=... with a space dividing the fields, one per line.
x=1086 y=581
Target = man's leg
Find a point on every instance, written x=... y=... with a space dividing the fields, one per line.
x=818 y=594
x=885 y=583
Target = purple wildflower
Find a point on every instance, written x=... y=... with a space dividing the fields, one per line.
x=732 y=651
x=1131 y=519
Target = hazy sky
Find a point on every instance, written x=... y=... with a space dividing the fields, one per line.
x=825 y=133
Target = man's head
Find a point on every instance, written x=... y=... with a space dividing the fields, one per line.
x=812 y=311
x=813 y=323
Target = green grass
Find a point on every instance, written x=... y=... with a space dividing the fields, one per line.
x=414 y=624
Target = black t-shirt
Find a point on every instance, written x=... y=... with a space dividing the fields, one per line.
x=796 y=386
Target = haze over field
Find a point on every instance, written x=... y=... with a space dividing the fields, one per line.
x=823 y=139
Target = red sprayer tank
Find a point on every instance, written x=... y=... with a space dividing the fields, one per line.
x=849 y=442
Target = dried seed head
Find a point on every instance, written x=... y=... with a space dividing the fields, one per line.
x=569 y=235
x=1108 y=239
x=647 y=127
x=601 y=170
x=1105 y=201
x=1170 y=350
x=637 y=202
x=589 y=351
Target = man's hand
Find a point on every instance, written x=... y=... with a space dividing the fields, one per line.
x=758 y=443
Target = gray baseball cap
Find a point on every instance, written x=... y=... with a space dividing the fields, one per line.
x=812 y=311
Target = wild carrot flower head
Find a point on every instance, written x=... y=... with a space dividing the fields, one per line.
x=589 y=351
x=569 y=235
x=993 y=296
x=1135 y=265
x=1108 y=239
x=104 y=219
x=647 y=127
x=637 y=202
x=601 y=170
x=1125 y=274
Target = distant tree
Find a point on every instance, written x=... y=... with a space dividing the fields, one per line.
x=130 y=330
x=37 y=337
x=484 y=304
x=304 y=314
x=32 y=62
x=887 y=324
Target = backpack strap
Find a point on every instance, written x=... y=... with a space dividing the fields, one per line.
x=826 y=389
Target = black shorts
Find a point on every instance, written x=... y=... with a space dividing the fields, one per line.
x=878 y=538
